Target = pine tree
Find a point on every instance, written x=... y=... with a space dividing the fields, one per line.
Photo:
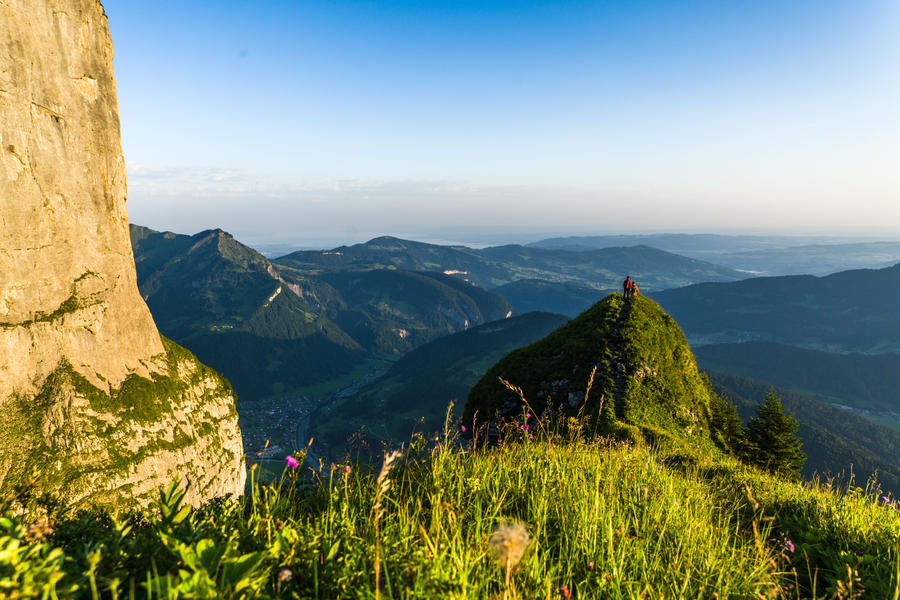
x=771 y=439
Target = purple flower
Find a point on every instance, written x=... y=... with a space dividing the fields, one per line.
x=789 y=545
x=885 y=499
x=527 y=415
x=291 y=461
x=463 y=427
x=808 y=502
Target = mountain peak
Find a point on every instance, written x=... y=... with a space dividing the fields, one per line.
x=644 y=367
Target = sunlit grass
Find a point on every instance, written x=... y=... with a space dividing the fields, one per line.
x=605 y=520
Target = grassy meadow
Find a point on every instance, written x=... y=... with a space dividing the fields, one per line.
x=557 y=516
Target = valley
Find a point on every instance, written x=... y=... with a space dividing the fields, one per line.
x=411 y=333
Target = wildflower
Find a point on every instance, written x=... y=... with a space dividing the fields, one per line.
x=789 y=545
x=291 y=461
x=808 y=502
x=606 y=576
x=885 y=499
x=527 y=415
x=347 y=469
x=565 y=592
x=463 y=427
x=285 y=575
x=591 y=566
x=38 y=532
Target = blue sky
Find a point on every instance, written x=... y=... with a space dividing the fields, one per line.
x=319 y=123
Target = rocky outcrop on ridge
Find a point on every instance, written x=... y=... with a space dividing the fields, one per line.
x=88 y=389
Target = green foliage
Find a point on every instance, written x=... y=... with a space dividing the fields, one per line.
x=607 y=520
x=771 y=439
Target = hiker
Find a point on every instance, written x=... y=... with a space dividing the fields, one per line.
x=627 y=287
x=634 y=289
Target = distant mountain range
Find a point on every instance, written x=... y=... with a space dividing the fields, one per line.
x=704 y=244
x=757 y=255
x=492 y=267
x=851 y=311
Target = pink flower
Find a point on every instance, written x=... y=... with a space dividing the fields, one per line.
x=527 y=415
x=463 y=427
x=291 y=461
x=591 y=566
x=565 y=591
x=789 y=545
x=347 y=469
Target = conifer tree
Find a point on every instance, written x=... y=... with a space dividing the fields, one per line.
x=771 y=439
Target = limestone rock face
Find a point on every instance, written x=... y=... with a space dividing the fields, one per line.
x=69 y=302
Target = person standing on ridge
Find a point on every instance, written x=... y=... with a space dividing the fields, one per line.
x=627 y=287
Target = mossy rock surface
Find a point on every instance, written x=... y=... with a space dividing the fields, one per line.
x=646 y=373
x=117 y=447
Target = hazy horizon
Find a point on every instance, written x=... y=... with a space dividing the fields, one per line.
x=325 y=124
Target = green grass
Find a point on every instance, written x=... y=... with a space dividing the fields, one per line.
x=606 y=520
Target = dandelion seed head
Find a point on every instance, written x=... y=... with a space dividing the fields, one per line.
x=508 y=543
